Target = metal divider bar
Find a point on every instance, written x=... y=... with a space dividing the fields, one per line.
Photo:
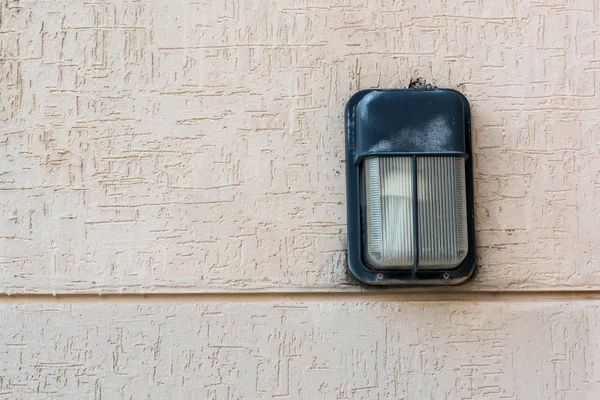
x=415 y=209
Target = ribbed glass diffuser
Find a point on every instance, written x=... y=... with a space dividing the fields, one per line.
x=389 y=217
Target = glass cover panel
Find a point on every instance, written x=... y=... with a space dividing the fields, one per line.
x=443 y=241
x=388 y=214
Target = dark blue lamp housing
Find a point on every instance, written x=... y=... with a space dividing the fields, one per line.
x=409 y=187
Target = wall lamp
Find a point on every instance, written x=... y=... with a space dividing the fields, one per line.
x=409 y=187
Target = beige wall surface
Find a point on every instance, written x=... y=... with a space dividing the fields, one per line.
x=301 y=350
x=198 y=146
x=181 y=148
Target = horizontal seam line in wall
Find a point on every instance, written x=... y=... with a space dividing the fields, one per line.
x=424 y=296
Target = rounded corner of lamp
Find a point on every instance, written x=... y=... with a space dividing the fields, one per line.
x=462 y=97
x=464 y=273
x=360 y=272
x=356 y=98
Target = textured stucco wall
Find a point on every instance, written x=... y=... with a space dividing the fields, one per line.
x=174 y=146
x=179 y=145
x=301 y=350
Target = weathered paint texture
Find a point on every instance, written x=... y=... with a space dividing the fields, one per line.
x=198 y=146
x=301 y=350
